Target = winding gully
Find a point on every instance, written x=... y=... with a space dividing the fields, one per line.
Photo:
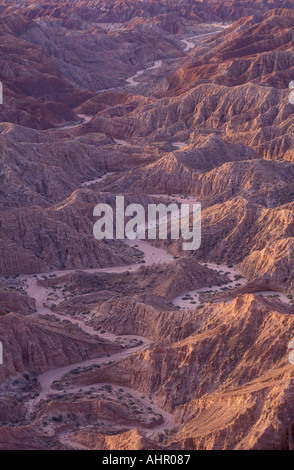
x=152 y=255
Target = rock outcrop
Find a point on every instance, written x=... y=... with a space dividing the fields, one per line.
x=31 y=346
x=131 y=345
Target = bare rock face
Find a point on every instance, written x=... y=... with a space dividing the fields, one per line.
x=207 y=104
x=241 y=174
x=157 y=101
x=163 y=10
x=11 y=411
x=244 y=56
x=58 y=237
x=127 y=316
x=130 y=440
x=272 y=265
x=258 y=238
x=229 y=362
x=154 y=284
x=95 y=410
x=25 y=438
x=228 y=421
x=50 y=83
x=29 y=345
x=18 y=303
x=182 y=276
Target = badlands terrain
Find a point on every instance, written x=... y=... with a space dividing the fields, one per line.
x=131 y=345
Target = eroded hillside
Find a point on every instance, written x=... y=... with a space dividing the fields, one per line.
x=132 y=344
